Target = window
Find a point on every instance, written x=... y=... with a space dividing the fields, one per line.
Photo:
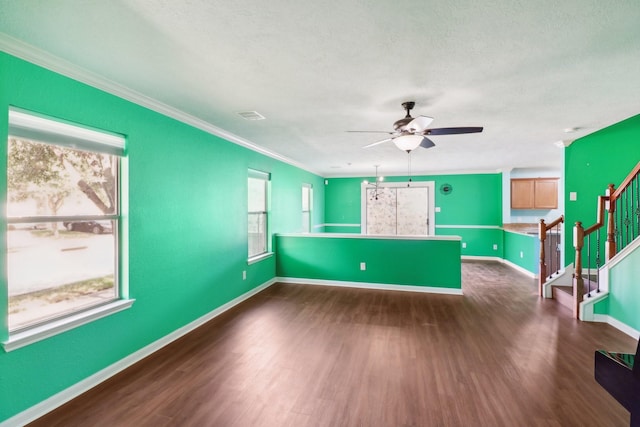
x=258 y=186
x=307 y=202
x=63 y=220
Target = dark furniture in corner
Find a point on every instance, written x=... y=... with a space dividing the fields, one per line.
x=620 y=376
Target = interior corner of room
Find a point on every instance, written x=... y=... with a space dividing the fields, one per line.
x=197 y=219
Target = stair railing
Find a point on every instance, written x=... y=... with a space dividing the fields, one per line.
x=550 y=250
x=594 y=246
x=623 y=226
x=624 y=213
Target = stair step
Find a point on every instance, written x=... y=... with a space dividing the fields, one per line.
x=564 y=295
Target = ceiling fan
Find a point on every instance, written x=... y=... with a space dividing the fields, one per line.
x=410 y=133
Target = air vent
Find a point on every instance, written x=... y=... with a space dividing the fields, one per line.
x=251 y=115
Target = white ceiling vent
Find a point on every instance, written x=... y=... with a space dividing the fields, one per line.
x=251 y=115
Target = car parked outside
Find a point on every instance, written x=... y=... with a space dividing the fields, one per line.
x=95 y=227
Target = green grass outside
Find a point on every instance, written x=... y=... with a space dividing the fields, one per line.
x=62 y=293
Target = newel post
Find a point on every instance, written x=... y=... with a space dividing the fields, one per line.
x=542 y=234
x=611 y=224
x=578 y=281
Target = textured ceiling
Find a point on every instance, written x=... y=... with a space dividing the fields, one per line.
x=525 y=70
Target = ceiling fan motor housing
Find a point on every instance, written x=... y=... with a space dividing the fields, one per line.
x=400 y=124
x=408 y=105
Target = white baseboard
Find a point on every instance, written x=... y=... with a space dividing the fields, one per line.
x=481 y=258
x=520 y=269
x=605 y=318
x=366 y=285
x=498 y=259
x=77 y=389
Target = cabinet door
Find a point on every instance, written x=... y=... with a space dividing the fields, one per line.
x=546 y=194
x=522 y=194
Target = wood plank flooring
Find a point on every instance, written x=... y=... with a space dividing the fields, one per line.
x=299 y=355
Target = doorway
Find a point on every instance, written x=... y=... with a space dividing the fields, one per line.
x=398 y=208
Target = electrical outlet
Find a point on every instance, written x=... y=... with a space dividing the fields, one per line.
x=244 y=274
x=495 y=247
x=464 y=245
x=363 y=266
x=521 y=254
x=437 y=208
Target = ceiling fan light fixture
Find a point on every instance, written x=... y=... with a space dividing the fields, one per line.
x=408 y=143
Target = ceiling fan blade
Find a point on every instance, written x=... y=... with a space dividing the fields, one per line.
x=419 y=124
x=377 y=142
x=452 y=131
x=427 y=143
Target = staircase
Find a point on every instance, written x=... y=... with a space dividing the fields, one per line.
x=550 y=251
x=563 y=293
x=595 y=246
x=580 y=285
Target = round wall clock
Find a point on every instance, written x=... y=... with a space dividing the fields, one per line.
x=446 y=189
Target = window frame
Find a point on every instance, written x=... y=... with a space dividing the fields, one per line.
x=266 y=177
x=38 y=128
x=308 y=224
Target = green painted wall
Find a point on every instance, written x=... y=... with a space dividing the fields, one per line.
x=434 y=263
x=188 y=225
x=591 y=164
x=624 y=291
x=342 y=201
x=528 y=245
x=602 y=306
x=342 y=229
x=479 y=241
x=476 y=199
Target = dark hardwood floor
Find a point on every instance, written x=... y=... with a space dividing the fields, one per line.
x=298 y=355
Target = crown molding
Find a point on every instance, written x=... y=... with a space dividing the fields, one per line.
x=30 y=53
x=415 y=174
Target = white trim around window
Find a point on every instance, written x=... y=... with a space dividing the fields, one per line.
x=36 y=129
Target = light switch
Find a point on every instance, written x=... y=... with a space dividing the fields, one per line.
x=573 y=196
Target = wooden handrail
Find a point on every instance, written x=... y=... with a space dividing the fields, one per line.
x=553 y=223
x=602 y=200
x=542 y=235
x=634 y=173
x=579 y=234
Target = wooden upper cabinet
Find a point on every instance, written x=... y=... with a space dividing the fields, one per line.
x=534 y=193
x=546 y=194
x=522 y=191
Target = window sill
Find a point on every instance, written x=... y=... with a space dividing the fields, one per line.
x=259 y=258
x=39 y=333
